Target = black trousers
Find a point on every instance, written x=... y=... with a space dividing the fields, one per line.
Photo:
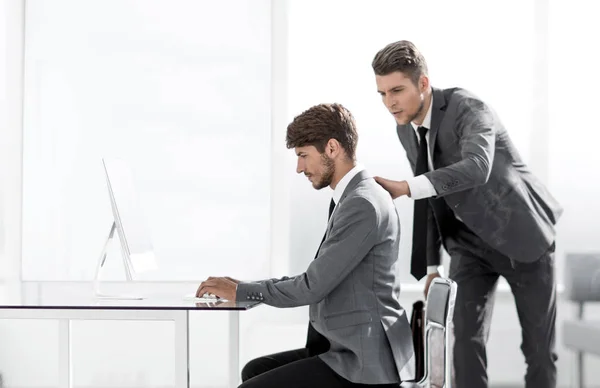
x=476 y=267
x=294 y=369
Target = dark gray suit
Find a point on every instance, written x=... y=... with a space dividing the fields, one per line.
x=352 y=288
x=494 y=218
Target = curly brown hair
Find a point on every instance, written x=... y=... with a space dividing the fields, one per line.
x=320 y=123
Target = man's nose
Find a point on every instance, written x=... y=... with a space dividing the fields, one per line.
x=299 y=166
x=389 y=102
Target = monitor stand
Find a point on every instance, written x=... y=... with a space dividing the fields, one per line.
x=126 y=264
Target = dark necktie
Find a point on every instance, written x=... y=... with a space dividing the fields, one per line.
x=315 y=342
x=331 y=207
x=418 y=267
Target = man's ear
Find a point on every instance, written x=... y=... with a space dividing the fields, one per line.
x=423 y=83
x=332 y=148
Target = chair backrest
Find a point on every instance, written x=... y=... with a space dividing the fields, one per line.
x=582 y=277
x=439 y=310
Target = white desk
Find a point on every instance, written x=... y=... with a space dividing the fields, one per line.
x=153 y=309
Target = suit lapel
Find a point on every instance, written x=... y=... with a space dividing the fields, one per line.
x=408 y=139
x=437 y=112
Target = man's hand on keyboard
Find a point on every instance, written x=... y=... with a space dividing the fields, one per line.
x=224 y=288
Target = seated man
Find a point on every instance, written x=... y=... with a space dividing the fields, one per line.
x=358 y=332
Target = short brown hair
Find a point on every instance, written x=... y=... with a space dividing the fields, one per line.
x=402 y=56
x=317 y=125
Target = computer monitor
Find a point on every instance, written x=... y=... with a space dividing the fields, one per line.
x=137 y=252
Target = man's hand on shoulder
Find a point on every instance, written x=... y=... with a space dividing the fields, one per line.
x=395 y=188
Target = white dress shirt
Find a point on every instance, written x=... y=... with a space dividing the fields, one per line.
x=343 y=183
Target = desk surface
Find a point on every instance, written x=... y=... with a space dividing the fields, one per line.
x=168 y=302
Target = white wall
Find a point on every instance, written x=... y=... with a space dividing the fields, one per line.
x=304 y=73
x=11 y=98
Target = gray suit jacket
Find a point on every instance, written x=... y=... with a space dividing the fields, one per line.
x=482 y=179
x=352 y=288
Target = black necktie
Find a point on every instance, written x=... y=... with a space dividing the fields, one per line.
x=315 y=342
x=418 y=266
x=331 y=207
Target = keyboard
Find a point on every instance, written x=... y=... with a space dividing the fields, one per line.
x=207 y=298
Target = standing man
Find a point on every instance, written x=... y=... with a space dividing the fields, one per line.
x=475 y=196
x=359 y=333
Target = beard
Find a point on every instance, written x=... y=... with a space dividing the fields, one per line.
x=328 y=172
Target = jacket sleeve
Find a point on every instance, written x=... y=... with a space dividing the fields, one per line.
x=476 y=129
x=353 y=234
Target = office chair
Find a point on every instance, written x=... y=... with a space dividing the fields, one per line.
x=439 y=310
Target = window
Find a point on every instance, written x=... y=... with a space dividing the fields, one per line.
x=574 y=132
x=184 y=97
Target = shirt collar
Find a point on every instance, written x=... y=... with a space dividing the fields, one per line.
x=343 y=183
